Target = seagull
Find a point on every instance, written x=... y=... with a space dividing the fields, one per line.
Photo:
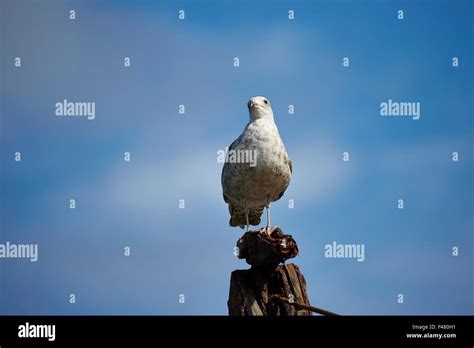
x=248 y=188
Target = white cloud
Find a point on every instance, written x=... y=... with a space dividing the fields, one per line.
x=155 y=187
x=319 y=171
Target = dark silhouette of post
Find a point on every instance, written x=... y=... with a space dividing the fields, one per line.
x=268 y=287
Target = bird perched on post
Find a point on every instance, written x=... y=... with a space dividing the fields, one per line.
x=248 y=188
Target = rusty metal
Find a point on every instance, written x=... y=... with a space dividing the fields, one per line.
x=303 y=306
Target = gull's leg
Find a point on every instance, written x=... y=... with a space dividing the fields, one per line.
x=268 y=227
x=268 y=214
x=247 y=218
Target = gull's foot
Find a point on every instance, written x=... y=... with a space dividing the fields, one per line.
x=268 y=230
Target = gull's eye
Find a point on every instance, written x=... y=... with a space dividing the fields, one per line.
x=265 y=101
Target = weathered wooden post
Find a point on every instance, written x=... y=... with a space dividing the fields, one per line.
x=268 y=288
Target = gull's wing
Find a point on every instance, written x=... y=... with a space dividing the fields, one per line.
x=225 y=169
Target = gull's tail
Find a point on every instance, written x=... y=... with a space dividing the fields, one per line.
x=237 y=216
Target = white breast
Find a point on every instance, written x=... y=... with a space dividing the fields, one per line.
x=271 y=175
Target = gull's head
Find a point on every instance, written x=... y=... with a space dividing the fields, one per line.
x=259 y=107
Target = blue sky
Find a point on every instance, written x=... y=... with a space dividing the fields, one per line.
x=190 y=251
